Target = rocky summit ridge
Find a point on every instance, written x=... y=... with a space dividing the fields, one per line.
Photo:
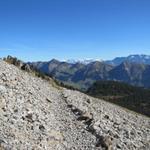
x=37 y=115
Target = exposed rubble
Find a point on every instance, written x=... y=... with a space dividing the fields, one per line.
x=36 y=115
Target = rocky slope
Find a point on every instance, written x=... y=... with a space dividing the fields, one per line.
x=35 y=114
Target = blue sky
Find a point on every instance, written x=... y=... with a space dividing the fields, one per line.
x=65 y=29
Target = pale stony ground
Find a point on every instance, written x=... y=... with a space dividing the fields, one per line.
x=35 y=115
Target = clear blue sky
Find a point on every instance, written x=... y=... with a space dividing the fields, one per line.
x=64 y=29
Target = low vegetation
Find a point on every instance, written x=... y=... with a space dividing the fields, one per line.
x=133 y=98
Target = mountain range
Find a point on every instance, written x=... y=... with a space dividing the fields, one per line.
x=84 y=61
x=116 y=61
x=144 y=59
x=134 y=70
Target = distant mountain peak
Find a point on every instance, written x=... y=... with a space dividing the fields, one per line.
x=54 y=61
x=82 y=61
x=135 y=58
